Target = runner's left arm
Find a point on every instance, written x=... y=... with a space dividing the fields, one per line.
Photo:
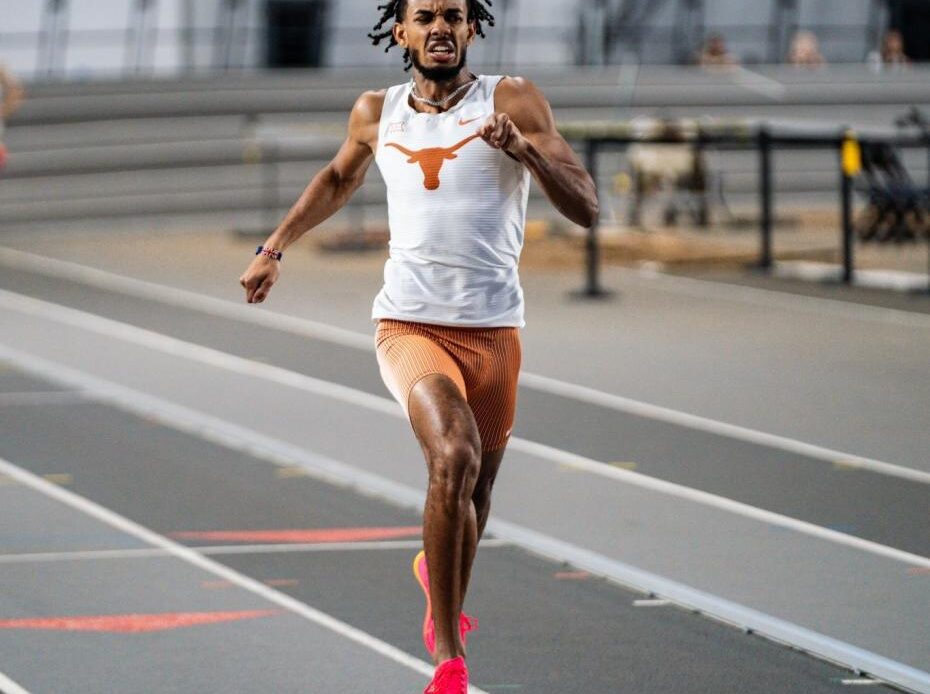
x=524 y=127
x=12 y=93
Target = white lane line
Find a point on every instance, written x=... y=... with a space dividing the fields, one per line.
x=745 y=618
x=711 y=426
x=302 y=548
x=179 y=348
x=78 y=555
x=42 y=398
x=739 y=508
x=334 y=547
x=240 y=365
x=266 y=448
x=8 y=686
x=189 y=300
x=191 y=556
x=173 y=296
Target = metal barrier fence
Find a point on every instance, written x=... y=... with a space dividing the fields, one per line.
x=235 y=100
x=597 y=138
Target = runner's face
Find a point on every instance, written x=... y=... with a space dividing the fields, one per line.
x=437 y=33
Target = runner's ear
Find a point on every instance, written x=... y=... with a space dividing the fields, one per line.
x=400 y=34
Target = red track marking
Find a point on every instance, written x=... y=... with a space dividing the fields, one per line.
x=322 y=536
x=572 y=575
x=132 y=623
x=917 y=570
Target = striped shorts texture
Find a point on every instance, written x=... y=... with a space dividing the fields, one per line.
x=483 y=362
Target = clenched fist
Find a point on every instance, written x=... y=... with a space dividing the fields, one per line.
x=501 y=133
x=258 y=278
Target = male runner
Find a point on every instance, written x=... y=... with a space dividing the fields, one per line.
x=456 y=152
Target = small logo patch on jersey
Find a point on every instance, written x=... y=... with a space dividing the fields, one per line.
x=397 y=127
x=431 y=159
x=470 y=120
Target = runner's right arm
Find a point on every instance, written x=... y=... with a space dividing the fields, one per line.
x=326 y=194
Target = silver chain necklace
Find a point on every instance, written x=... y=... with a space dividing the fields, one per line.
x=441 y=102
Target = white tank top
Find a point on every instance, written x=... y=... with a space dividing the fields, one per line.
x=456 y=210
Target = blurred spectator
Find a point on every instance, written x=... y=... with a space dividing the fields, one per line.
x=891 y=52
x=805 y=50
x=673 y=171
x=11 y=95
x=715 y=53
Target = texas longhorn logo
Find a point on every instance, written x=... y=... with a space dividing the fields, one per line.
x=432 y=159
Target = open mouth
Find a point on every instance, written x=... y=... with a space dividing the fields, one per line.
x=441 y=51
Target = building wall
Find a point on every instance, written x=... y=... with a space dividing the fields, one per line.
x=93 y=38
x=841 y=26
x=197 y=33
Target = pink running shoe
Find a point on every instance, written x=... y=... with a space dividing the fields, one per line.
x=451 y=678
x=466 y=623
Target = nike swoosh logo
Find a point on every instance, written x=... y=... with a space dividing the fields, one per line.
x=470 y=120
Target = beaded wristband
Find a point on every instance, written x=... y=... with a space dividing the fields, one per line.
x=269 y=252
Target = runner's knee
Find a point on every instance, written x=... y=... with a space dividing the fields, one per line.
x=454 y=467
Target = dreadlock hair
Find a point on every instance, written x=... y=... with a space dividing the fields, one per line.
x=395 y=9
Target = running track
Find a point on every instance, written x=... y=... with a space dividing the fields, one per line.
x=152 y=440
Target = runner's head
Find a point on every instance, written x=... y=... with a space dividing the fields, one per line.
x=435 y=34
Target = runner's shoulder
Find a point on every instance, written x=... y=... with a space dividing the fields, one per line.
x=367 y=108
x=526 y=105
x=517 y=88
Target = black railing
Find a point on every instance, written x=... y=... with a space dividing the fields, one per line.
x=596 y=138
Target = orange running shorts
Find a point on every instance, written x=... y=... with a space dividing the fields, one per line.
x=483 y=362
